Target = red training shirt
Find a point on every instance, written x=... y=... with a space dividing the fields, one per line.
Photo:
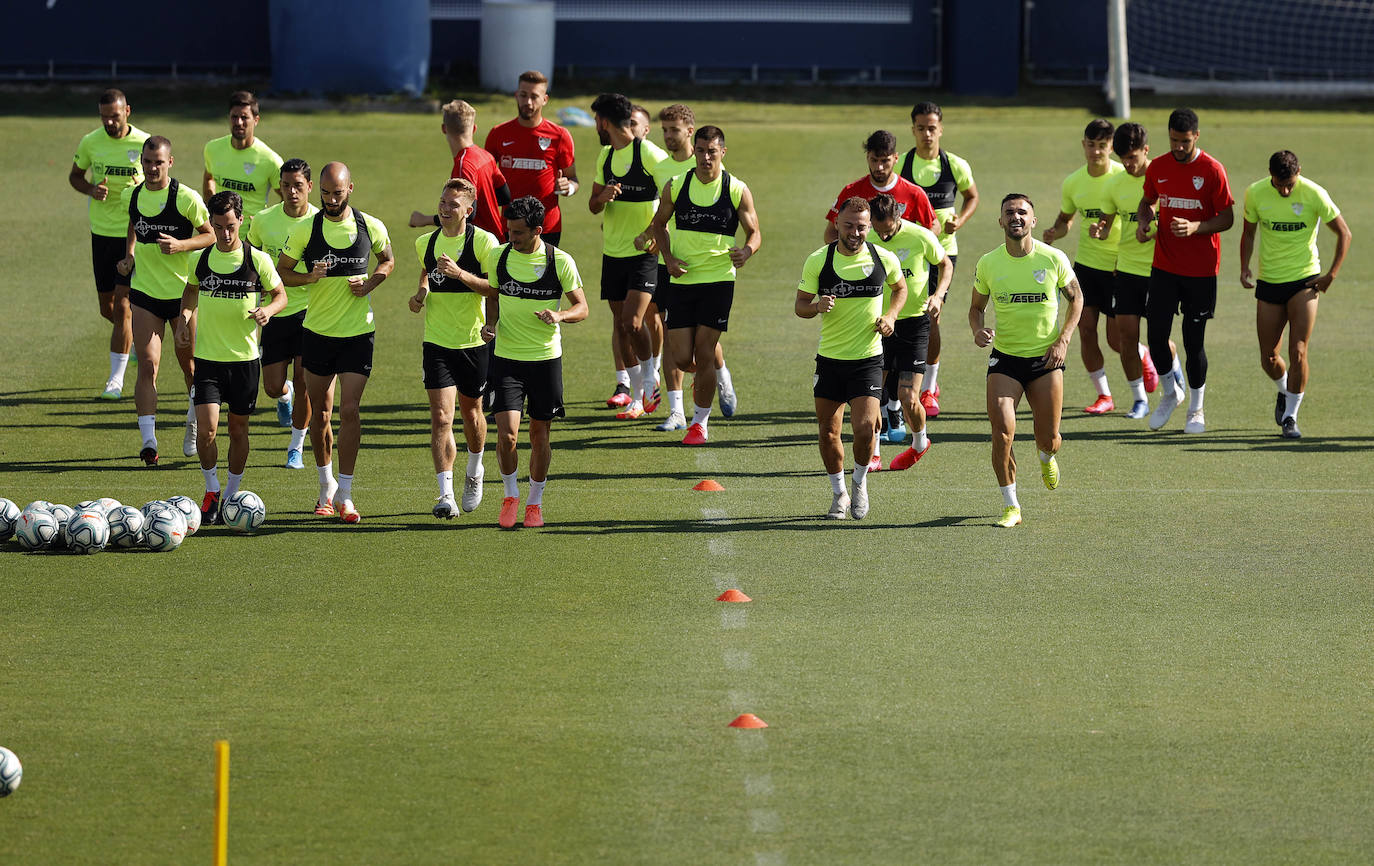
x=912 y=203
x=530 y=158
x=479 y=167
x=1195 y=190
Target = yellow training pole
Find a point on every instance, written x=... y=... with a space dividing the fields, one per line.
x=221 y=802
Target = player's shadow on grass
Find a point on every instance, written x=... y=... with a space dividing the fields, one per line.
x=85 y=464
x=793 y=523
x=1241 y=440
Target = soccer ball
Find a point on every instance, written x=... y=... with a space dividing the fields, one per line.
x=36 y=529
x=126 y=526
x=244 y=511
x=150 y=507
x=108 y=503
x=89 y=505
x=9 y=516
x=88 y=532
x=11 y=771
x=189 y=510
x=39 y=504
x=64 y=514
x=165 y=530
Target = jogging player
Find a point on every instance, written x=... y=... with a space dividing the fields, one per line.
x=475 y=165
x=240 y=161
x=534 y=154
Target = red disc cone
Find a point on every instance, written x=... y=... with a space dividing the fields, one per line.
x=708 y=486
x=733 y=595
x=748 y=720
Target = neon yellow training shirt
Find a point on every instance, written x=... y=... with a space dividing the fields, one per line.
x=623 y=221
x=155 y=274
x=454 y=320
x=705 y=254
x=1288 y=228
x=334 y=311
x=224 y=330
x=520 y=336
x=1025 y=297
x=1132 y=257
x=268 y=232
x=115 y=161
x=915 y=246
x=252 y=172
x=1090 y=197
x=926 y=172
x=847 y=331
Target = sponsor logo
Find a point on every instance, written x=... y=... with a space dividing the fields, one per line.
x=513 y=289
x=522 y=163
x=132 y=155
x=992 y=362
x=120 y=171
x=219 y=286
x=1287 y=226
x=843 y=289
x=334 y=260
x=902 y=255
x=142 y=228
x=1093 y=213
x=1022 y=297
x=1039 y=274
x=901 y=208
x=1179 y=203
x=1162 y=180
x=237 y=185
x=97 y=169
x=437 y=277
x=1197 y=182
x=878 y=388
x=507 y=143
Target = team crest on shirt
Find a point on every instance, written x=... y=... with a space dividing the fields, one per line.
x=544 y=142
x=248 y=167
x=1197 y=182
x=539 y=269
x=902 y=254
x=1039 y=274
x=901 y=208
x=132 y=154
x=1297 y=208
x=866 y=269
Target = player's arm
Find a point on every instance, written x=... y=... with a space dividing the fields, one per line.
x=476 y=282
x=1059 y=349
x=182 y=332
x=275 y=304
x=1247 y=249
x=659 y=231
x=1144 y=215
x=286 y=269
x=198 y=241
x=77 y=178
x=577 y=310
x=125 y=266
x=602 y=195
x=1343 y=238
x=753 y=237
x=1103 y=227
x=565 y=182
x=966 y=209
x=417 y=301
x=1224 y=219
x=888 y=321
x=1061 y=227
x=944 y=276
x=207 y=184
x=831 y=233
x=977 y=319
x=810 y=303
x=493 y=310
x=386 y=263
x=503 y=196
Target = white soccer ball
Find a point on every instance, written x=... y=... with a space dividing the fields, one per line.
x=152 y=506
x=109 y=503
x=11 y=771
x=39 y=504
x=244 y=511
x=36 y=529
x=88 y=532
x=9 y=516
x=189 y=510
x=165 y=530
x=89 y=505
x=126 y=526
x=64 y=514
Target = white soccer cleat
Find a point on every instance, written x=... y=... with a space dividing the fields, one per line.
x=1168 y=402
x=1196 y=423
x=839 y=507
x=858 y=495
x=445 y=508
x=472 y=490
x=188 y=442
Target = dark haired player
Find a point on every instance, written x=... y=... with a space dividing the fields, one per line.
x=240 y=161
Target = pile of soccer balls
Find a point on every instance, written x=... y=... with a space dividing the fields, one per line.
x=95 y=524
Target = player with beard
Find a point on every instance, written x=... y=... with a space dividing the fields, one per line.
x=240 y=161
x=534 y=154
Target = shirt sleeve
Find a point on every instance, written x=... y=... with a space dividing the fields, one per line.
x=421 y=244
x=1065 y=269
x=891 y=264
x=566 y=152
x=380 y=237
x=205 y=155
x=252 y=235
x=82 y=159
x=267 y=269
x=1327 y=206
x=1066 y=204
x=1251 y=209
x=567 y=272
x=934 y=251
x=489 y=262
x=1222 y=199
x=194 y=208
x=1148 y=190
x=980 y=279
x=925 y=214
x=811 y=270
x=297 y=239
x=963 y=174
x=483 y=242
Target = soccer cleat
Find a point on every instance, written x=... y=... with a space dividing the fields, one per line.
x=936 y=392
x=908 y=458
x=445 y=508
x=651 y=404
x=1011 y=516
x=209 y=509
x=875 y=463
x=323 y=508
x=1101 y=406
x=509 y=506
x=1290 y=428
x=1280 y=404
x=472 y=490
x=895 y=422
x=1150 y=373
x=620 y=399
x=294 y=460
x=930 y=402
x=1196 y=423
x=674 y=421
x=839 y=507
x=148 y=455
x=534 y=516
x=729 y=402
x=113 y=390
x=284 y=413
x=346 y=511
x=696 y=435
x=1139 y=409
x=635 y=411
x=858 y=499
x=1167 y=404
x=1049 y=473
x=188 y=442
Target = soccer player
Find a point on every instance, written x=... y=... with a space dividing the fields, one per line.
x=1023 y=279
x=240 y=161
x=1131 y=281
x=846 y=282
x=1088 y=191
x=624 y=191
x=904 y=352
x=532 y=277
x=224 y=294
x=455 y=357
x=1287 y=210
x=475 y=165
x=111 y=154
x=167 y=223
x=282 y=335
x=338 y=335
x=707 y=206
x=535 y=155
x=940 y=174
x=640 y=122
x=1193 y=198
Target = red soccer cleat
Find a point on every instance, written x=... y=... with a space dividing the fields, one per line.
x=620 y=399
x=651 y=402
x=509 y=506
x=1151 y=374
x=875 y=463
x=631 y=413
x=696 y=435
x=534 y=516
x=1101 y=406
x=908 y=458
x=931 y=403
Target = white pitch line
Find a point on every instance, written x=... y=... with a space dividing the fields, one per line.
x=734 y=617
x=738 y=660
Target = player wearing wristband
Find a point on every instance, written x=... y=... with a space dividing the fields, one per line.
x=224 y=292
x=1193 y=198
x=240 y=161
x=1285 y=210
x=111 y=155
x=475 y=165
x=534 y=154
x=338 y=335
x=1023 y=279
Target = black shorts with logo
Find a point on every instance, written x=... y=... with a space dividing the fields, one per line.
x=105 y=254
x=1023 y=370
x=540 y=382
x=1169 y=293
x=843 y=381
x=282 y=337
x=1131 y=294
x=905 y=350
x=705 y=305
x=664 y=293
x=622 y=276
x=1280 y=293
x=232 y=382
x=464 y=369
x=1098 y=287
x=165 y=309
x=330 y=356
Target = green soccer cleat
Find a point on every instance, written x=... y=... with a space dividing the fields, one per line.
x=1011 y=516
x=1049 y=473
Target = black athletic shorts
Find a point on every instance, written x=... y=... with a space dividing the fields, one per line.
x=842 y=381
x=105 y=254
x=1023 y=370
x=464 y=369
x=1098 y=287
x=166 y=310
x=330 y=356
x=282 y=337
x=905 y=350
x=701 y=304
x=1130 y=294
x=540 y=382
x=633 y=274
x=232 y=382
x=1169 y=293
x=935 y=274
x=664 y=292
x=1280 y=293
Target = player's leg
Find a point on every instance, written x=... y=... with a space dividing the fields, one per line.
x=545 y=383
x=241 y=381
x=910 y=342
x=1003 y=395
x=704 y=342
x=620 y=397
x=1199 y=301
x=148 y=330
x=829 y=418
x=238 y=450
x=930 y=393
x=351 y=387
x=1161 y=306
x=442 y=447
x=186 y=360
x=1045 y=394
x=653 y=320
x=1270 y=321
x=300 y=414
x=863 y=419
x=678 y=362
x=1302 y=318
x=637 y=350
x=112 y=299
x=319 y=355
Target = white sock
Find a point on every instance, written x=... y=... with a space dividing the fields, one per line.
x=675 y=402
x=475 y=462
x=537 y=492
x=622 y=378
x=876 y=443
x=893 y=405
x=1291 y=402
x=1045 y=457
x=191 y=406
x=1099 y=378
x=1195 y=399
x=211 y=478
x=920 y=440
x=512 y=489
x=288 y=392
x=648 y=371
x=1177 y=370
x=297 y=439
x=1143 y=350
x=657 y=361
x=147 y=426
x=1137 y=389
x=836 y=482
x=345 y=490
x=932 y=376
x=1282 y=382
x=700 y=415
x=232 y=483
x=1009 y=496
x=118 y=364
x=636 y=381
x=445 y=484
x=327 y=483
x=860 y=472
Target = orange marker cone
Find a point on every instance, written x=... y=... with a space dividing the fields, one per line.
x=708 y=486
x=733 y=595
x=748 y=720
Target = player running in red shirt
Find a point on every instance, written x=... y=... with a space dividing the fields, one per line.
x=534 y=154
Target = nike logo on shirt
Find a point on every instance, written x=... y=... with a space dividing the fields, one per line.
x=507 y=143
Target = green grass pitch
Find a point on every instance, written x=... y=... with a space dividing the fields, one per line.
x=1169 y=662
